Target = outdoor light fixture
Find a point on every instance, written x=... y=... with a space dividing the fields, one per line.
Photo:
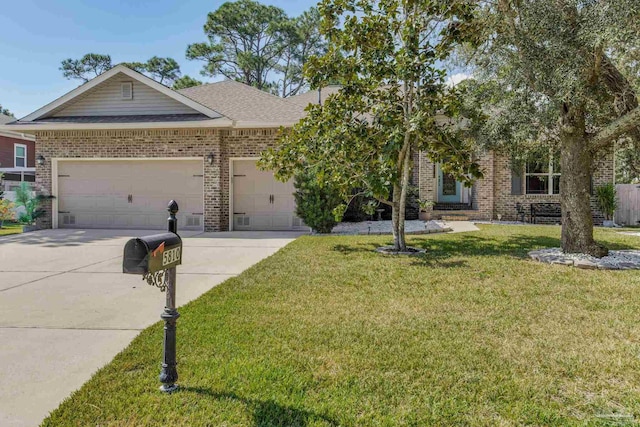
x=40 y=159
x=210 y=158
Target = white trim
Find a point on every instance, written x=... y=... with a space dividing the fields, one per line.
x=231 y=160
x=16 y=135
x=54 y=177
x=15 y=156
x=203 y=124
x=107 y=75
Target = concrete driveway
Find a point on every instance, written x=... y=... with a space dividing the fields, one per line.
x=66 y=309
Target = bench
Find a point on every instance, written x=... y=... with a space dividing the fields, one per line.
x=545 y=210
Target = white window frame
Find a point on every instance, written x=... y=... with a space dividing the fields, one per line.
x=550 y=175
x=15 y=156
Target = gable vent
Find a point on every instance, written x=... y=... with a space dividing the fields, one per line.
x=126 y=90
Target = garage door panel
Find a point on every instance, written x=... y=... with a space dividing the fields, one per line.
x=260 y=202
x=95 y=194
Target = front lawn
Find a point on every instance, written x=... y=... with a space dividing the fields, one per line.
x=328 y=333
x=10 y=228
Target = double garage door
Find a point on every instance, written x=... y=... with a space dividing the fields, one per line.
x=133 y=194
x=129 y=194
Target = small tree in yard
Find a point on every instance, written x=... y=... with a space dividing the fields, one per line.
x=316 y=202
x=558 y=73
x=387 y=57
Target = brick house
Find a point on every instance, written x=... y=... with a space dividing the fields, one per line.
x=17 y=156
x=115 y=150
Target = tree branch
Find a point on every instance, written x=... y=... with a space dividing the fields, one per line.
x=615 y=130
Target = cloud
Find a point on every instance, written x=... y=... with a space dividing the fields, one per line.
x=457 y=78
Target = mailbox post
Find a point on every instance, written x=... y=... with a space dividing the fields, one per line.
x=169 y=373
x=156 y=257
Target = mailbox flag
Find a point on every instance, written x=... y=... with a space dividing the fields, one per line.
x=159 y=250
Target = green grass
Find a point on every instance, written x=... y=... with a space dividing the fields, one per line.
x=327 y=333
x=9 y=228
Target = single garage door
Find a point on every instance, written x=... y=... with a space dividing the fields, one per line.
x=260 y=202
x=129 y=194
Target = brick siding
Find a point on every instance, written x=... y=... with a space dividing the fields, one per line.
x=490 y=195
x=158 y=144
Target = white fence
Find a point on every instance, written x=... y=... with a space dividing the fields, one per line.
x=628 y=212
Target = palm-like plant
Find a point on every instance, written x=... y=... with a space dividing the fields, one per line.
x=31 y=202
x=606 y=199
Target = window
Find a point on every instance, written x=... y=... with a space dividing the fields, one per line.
x=542 y=175
x=20 y=156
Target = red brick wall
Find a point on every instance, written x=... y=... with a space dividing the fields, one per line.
x=7 y=151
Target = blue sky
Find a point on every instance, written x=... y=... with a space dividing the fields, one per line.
x=35 y=35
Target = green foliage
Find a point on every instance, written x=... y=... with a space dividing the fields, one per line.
x=163 y=70
x=87 y=67
x=258 y=45
x=316 y=202
x=302 y=40
x=537 y=61
x=31 y=202
x=5 y=111
x=185 y=82
x=393 y=101
x=607 y=200
x=426 y=205
x=6 y=211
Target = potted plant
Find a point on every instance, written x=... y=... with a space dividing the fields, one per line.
x=6 y=211
x=26 y=197
x=607 y=202
x=426 y=209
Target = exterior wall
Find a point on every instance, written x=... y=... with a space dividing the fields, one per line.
x=491 y=195
x=481 y=193
x=134 y=144
x=7 y=151
x=223 y=144
x=505 y=202
x=105 y=100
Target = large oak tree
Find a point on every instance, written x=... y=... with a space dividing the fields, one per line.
x=558 y=73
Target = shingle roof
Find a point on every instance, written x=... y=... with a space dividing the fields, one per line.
x=311 y=97
x=5 y=119
x=243 y=103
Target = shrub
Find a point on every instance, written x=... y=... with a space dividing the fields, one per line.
x=316 y=202
x=25 y=197
x=606 y=199
x=6 y=211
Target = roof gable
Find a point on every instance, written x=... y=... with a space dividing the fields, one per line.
x=101 y=97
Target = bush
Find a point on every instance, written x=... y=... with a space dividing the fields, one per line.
x=606 y=199
x=25 y=197
x=316 y=202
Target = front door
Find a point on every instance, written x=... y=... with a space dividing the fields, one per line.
x=449 y=189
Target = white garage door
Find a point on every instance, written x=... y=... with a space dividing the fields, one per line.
x=260 y=202
x=129 y=194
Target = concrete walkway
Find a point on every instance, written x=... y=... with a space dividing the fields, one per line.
x=66 y=309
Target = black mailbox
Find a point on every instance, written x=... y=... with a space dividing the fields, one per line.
x=150 y=254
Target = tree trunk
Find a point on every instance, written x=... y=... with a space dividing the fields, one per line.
x=575 y=186
x=397 y=220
